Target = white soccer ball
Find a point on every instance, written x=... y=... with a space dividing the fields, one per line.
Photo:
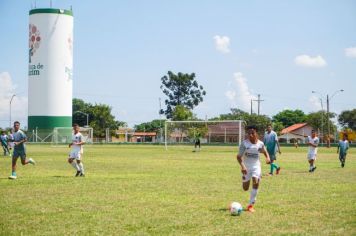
x=235 y=208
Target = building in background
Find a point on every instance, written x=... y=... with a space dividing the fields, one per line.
x=295 y=133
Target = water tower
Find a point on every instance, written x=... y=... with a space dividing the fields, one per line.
x=50 y=70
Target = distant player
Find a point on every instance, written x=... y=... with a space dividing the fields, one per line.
x=342 y=149
x=270 y=139
x=19 y=139
x=313 y=142
x=197 y=144
x=75 y=155
x=10 y=140
x=249 y=160
x=4 y=143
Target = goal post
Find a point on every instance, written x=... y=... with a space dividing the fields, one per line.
x=211 y=132
x=63 y=135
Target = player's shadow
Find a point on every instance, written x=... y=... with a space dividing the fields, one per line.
x=62 y=176
x=224 y=209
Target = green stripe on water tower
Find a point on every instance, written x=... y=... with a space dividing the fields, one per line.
x=48 y=122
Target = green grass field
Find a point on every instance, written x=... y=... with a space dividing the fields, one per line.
x=145 y=190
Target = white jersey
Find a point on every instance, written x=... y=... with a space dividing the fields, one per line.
x=251 y=153
x=77 y=138
x=313 y=150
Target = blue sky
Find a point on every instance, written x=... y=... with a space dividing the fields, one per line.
x=280 y=49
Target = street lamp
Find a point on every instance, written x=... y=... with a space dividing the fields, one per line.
x=327 y=110
x=86 y=115
x=10 y=107
x=322 y=115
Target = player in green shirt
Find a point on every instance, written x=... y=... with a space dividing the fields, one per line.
x=270 y=139
x=342 y=149
x=4 y=143
x=19 y=139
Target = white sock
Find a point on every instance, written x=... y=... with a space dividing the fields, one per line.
x=81 y=167
x=253 y=196
x=75 y=166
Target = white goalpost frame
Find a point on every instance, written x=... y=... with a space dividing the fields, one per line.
x=203 y=122
x=87 y=133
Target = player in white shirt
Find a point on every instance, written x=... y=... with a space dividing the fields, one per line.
x=249 y=160
x=76 y=151
x=313 y=142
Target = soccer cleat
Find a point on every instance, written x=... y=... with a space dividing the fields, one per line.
x=31 y=161
x=278 y=170
x=78 y=173
x=314 y=168
x=343 y=164
x=269 y=174
x=250 y=208
x=82 y=174
x=12 y=177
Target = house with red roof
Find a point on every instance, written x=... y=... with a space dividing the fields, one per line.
x=296 y=132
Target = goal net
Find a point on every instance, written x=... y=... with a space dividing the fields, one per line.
x=208 y=132
x=63 y=135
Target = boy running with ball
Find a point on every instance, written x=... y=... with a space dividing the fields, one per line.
x=249 y=160
x=76 y=151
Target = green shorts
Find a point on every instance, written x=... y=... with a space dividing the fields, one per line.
x=19 y=153
x=272 y=156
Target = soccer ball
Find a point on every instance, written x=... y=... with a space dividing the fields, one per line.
x=235 y=209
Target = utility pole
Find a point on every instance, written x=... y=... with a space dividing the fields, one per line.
x=259 y=103
x=327 y=120
x=160 y=119
x=251 y=106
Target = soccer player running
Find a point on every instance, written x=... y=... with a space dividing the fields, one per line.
x=19 y=139
x=270 y=139
x=4 y=143
x=313 y=142
x=342 y=149
x=76 y=151
x=249 y=160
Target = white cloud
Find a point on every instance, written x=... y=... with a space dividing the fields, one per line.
x=309 y=61
x=222 y=43
x=315 y=103
x=239 y=94
x=18 y=105
x=350 y=52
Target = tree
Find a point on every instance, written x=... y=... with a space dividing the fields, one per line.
x=152 y=126
x=181 y=89
x=182 y=113
x=319 y=121
x=260 y=121
x=100 y=117
x=290 y=117
x=278 y=127
x=347 y=119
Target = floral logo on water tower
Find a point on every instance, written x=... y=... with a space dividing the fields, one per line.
x=33 y=41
